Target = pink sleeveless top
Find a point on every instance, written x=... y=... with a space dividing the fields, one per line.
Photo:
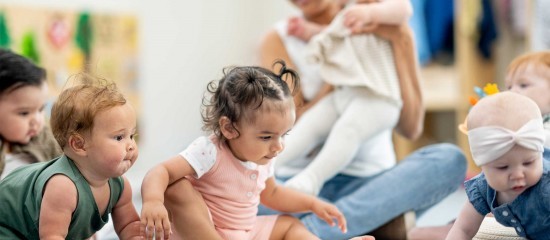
x=231 y=190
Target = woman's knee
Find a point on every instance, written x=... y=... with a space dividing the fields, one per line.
x=443 y=159
x=452 y=161
x=454 y=155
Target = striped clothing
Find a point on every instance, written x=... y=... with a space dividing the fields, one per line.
x=364 y=60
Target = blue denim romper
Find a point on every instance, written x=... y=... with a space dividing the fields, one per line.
x=528 y=214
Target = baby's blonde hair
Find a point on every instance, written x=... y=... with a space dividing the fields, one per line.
x=540 y=61
x=75 y=109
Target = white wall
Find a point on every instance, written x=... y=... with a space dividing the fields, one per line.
x=184 y=44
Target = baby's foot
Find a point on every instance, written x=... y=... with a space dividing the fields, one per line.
x=363 y=238
x=302 y=29
x=305 y=183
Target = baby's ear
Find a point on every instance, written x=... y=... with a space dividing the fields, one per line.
x=227 y=128
x=78 y=144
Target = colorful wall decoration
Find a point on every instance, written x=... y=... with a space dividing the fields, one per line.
x=67 y=42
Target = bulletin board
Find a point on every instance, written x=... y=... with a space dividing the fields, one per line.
x=66 y=42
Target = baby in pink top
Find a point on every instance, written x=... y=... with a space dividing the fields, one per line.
x=249 y=112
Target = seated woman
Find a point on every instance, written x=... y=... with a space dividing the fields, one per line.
x=371 y=198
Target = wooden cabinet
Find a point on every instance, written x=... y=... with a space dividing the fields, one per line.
x=446 y=90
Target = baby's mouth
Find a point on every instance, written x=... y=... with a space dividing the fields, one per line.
x=518 y=188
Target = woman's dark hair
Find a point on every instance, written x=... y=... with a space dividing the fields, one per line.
x=17 y=71
x=244 y=88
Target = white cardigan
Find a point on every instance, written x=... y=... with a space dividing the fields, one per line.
x=355 y=60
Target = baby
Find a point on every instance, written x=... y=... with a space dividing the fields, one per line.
x=248 y=114
x=72 y=196
x=506 y=139
x=529 y=75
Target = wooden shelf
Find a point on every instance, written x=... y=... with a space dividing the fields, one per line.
x=440 y=87
x=446 y=88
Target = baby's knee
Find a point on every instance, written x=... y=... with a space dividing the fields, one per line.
x=181 y=192
x=288 y=227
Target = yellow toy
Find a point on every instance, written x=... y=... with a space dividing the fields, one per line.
x=489 y=89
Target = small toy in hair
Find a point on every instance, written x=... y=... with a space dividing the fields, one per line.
x=489 y=89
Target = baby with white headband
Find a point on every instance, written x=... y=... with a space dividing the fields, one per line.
x=506 y=139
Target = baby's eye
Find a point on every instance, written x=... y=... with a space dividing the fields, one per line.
x=133 y=136
x=119 y=137
x=524 y=85
x=502 y=167
x=265 y=137
x=25 y=113
x=527 y=163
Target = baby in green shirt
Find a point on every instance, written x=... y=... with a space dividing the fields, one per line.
x=72 y=196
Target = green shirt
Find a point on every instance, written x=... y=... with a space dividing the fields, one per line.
x=21 y=197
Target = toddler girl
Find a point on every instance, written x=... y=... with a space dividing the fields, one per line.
x=249 y=113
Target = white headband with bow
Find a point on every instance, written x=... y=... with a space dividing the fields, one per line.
x=491 y=142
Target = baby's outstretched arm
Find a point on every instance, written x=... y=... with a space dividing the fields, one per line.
x=58 y=204
x=285 y=199
x=467 y=224
x=154 y=215
x=125 y=217
x=361 y=15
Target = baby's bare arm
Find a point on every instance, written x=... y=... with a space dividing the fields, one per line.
x=125 y=217
x=467 y=224
x=288 y=200
x=393 y=12
x=154 y=215
x=58 y=204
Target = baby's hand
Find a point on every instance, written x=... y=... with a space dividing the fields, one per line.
x=154 y=217
x=134 y=230
x=328 y=212
x=302 y=29
x=359 y=19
